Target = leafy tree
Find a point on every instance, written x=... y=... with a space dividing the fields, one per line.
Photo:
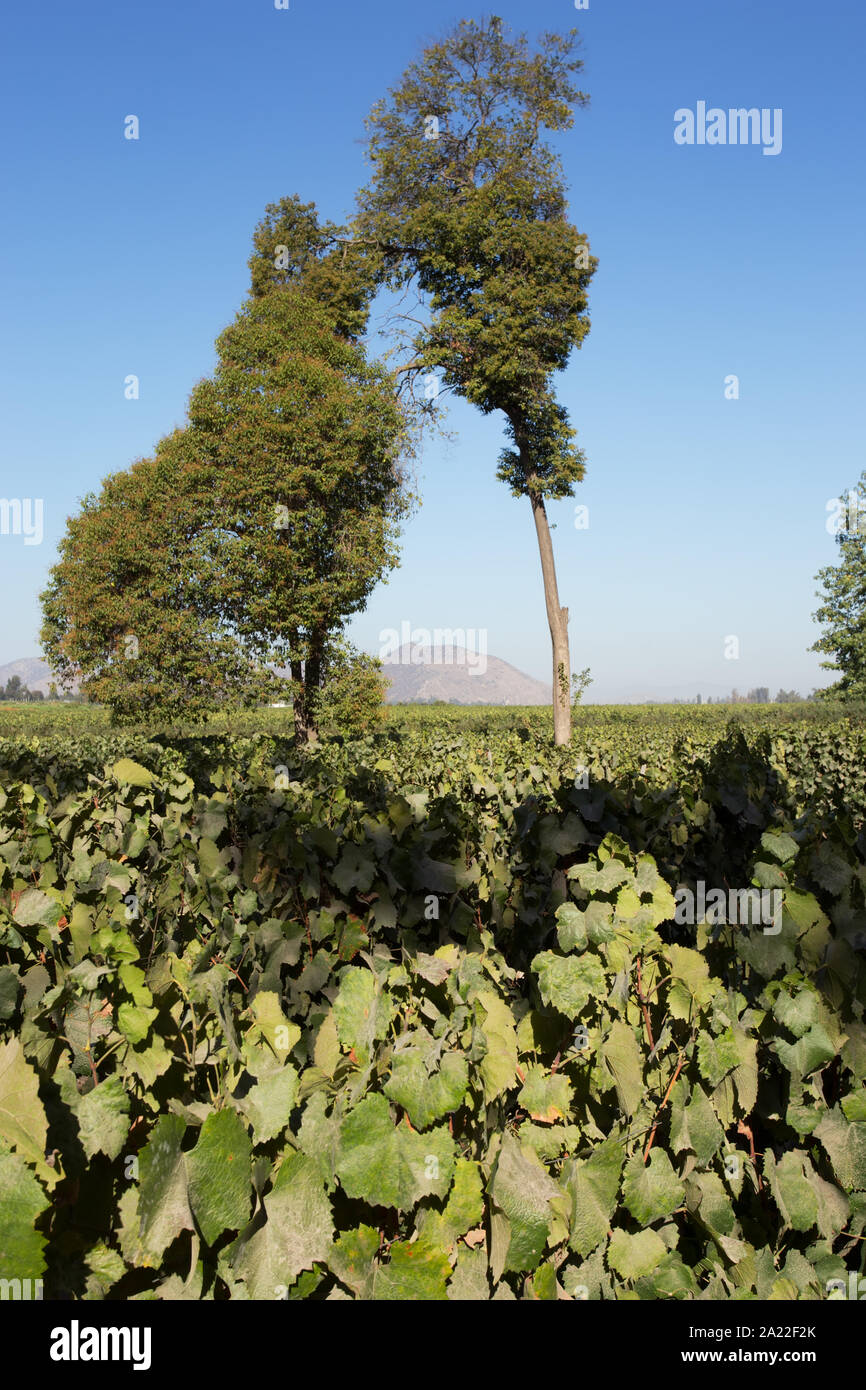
x=298 y=443
x=252 y=534
x=352 y=699
x=132 y=606
x=843 y=609
x=467 y=202
x=293 y=250
x=788 y=697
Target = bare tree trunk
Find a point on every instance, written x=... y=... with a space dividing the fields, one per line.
x=557 y=618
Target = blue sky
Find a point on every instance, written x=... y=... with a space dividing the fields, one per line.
x=707 y=516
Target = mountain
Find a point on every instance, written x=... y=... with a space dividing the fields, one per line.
x=459 y=677
x=34 y=672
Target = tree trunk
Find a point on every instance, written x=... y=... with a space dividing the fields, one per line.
x=557 y=618
x=299 y=696
x=307 y=680
x=299 y=703
x=313 y=677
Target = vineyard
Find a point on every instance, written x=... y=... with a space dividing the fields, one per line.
x=445 y=1012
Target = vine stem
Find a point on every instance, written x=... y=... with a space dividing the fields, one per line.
x=93 y=1071
x=652 y=1133
x=643 y=1003
x=114 y=1046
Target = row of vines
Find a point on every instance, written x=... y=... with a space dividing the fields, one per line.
x=423 y=1016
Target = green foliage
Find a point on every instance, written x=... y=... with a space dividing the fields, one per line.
x=466 y=199
x=351 y=701
x=580 y=683
x=15 y=690
x=843 y=608
x=292 y=249
x=253 y=533
x=467 y=204
x=412 y=1018
x=129 y=605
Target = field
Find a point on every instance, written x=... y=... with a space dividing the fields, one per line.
x=445 y=1012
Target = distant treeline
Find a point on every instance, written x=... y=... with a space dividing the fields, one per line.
x=759 y=696
x=15 y=689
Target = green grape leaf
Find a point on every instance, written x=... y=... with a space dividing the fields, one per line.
x=652 y=1190
x=593 y=1184
x=163 y=1204
x=523 y=1189
x=631 y=1256
x=390 y=1165
x=297 y=1232
x=427 y=1097
x=22 y=1200
x=218 y=1168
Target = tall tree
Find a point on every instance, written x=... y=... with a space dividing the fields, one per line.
x=15 y=689
x=254 y=532
x=292 y=249
x=843 y=608
x=132 y=606
x=467 y=202
x=299 y=441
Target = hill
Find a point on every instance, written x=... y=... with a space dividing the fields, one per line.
x=34 y=672
x=460 y=677
x=457 y=677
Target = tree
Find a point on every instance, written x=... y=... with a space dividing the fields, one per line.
x=467 y=202
x=580 y=683
x=298 y=443
x=251 y=535
x=293 y=250
x=843 y=609
x=352 y=699
x=132 y=606
x=788 y=697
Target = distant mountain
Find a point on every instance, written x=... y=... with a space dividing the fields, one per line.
x=459 y=677
x=34 y=672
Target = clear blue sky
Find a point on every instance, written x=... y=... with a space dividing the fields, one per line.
x=707 y=515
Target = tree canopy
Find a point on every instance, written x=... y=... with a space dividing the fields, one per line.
x=293 y=249
x=843 y=608
x=466 y=200
x=473 y=207
x=131 y=606
x=252 y=534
